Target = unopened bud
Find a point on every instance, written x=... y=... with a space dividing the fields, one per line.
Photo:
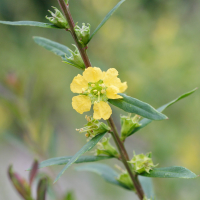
x=125 y=179
x=106 y=148
x=75 y=58
x=142 y=163
x=58 y=19
x=83 y=34
x=128 y=124
x=94 y=127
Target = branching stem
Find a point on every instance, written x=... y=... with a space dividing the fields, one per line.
x=119 y=143
x=82 y=50
x=125 y=158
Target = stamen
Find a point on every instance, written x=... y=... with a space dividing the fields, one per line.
x=95 y=91
x=92 y=85
x=87 y=135
x=103 y=91
x=103 y=85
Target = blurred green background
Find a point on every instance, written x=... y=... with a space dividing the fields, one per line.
x=154 y=44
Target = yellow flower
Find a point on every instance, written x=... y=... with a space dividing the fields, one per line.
x=96 y=87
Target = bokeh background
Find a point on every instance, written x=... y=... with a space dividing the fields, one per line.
x=154 y=45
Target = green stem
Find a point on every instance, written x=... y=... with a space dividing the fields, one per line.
x=82 y=50
x=120 y=145
x=125 y=158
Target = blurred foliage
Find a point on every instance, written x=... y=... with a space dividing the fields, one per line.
x=154 y=45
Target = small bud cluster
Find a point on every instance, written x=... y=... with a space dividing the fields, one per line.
x=104 y=147
x=58 y=19
x=93 y=127
x=83 y=34
x=128 y=124
x=142 y=163
x=125 y=179
x=75 y=58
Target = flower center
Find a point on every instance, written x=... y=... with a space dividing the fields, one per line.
x=96 y=91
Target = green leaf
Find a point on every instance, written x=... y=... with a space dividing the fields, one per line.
x=66 y=159
x=41 y=189
x=84 y=149
x=147 y=186
x=144 y=122
x=29 y=23
x=170 y=172
x=106 y=172
x=57 y=48
x=132 y=105
x=106 y=18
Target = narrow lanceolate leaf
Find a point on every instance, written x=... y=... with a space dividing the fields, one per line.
x=106 y=172
x=144 y=122
x=84 y=149
x=147 y=186
x=57 y=48
x=66 y=159
x=106 y=18
x=132 y=105
x=170 y=172
x=29 y=23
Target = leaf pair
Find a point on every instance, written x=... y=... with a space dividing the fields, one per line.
x=50 y=25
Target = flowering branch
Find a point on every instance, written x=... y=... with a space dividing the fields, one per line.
x=82 y=50
x=121 y=148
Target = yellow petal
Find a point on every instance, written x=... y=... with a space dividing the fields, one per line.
x=102 y=110
x=123 y=87
x=81 y=103
x=112 y=91
x=93 y=74
x=111 y=73
x=78 y=84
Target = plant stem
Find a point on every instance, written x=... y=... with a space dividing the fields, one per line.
x=82 y=50
x=125 y=158
x=120 y=145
